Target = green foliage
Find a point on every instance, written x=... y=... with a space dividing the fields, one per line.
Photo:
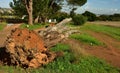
x=91 y=16
x=112 y=31
x=103 y=17
x=32 y=27
x=2 y=25
x=79 y=19
x=86 y=39
x=18 y=7
x=77 y=2
x=42 y=8
x=60 y=16
x=11 y=69
x=114 y=17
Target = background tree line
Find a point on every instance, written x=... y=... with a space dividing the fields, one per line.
x=93 y=17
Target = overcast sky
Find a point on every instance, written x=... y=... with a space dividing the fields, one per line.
x=95 y=6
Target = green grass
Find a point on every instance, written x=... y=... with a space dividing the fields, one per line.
x=11 y=69
x=32 y=27
x=71 y=64
x=68 y=63
x=86 y=39
x=2 y=25
x=111 y=31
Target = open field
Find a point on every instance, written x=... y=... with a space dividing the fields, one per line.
x=109 y=23
x=95 y=50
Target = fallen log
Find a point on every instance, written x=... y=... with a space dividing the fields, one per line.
x=57 y=33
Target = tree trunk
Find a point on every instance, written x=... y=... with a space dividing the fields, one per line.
x=30 y=21
x=36 y=19
x=28 y=5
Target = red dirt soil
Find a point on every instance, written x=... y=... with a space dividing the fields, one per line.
x=110 y=52
x=5 y=32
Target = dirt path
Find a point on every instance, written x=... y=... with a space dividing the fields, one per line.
x=5 y=32
x=110 y=52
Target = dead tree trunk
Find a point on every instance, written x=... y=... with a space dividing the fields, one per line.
x=57 y=33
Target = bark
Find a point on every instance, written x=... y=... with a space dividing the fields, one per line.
x=28 y=5
x=57 y=33
x=36 y=19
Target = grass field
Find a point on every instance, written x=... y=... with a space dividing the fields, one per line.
x=109 y=30
x=85 y=38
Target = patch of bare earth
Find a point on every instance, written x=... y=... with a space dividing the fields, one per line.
x=5 y=32
x=110 y=52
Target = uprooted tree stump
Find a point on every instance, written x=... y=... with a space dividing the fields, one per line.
x=26 y=49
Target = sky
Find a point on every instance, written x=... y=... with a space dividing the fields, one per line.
x=95 y=6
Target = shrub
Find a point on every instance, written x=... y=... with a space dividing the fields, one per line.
x=79 y=19
x=91 y=16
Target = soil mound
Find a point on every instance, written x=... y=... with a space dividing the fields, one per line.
x=26 y=49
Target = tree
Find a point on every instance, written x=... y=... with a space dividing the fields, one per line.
x=91 y=16
x=74 y=3
x=41 y=8
x=21 y=7
x=28 y=4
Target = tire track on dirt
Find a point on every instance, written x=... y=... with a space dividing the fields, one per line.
x=110 y=52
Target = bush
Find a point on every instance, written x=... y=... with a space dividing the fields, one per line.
x=60 y=16
x=91 y=16
x=79 y=19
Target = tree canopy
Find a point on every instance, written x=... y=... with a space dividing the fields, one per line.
x=77 y=2
x=42 y=9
